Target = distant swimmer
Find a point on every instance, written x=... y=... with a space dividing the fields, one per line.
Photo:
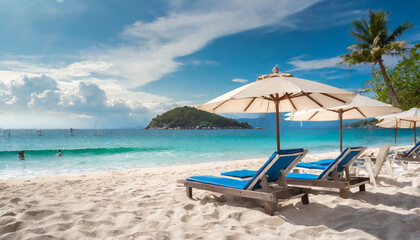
x=22 y=155
x=59 y=153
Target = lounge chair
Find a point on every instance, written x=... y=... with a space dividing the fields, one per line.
x=366 y=162
x=412 y=155
x=332 y=175
x=267 y=184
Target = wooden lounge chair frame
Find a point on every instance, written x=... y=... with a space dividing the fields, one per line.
x=269 y=193
x=344 y=182
x=381 y=159
x=414 y=156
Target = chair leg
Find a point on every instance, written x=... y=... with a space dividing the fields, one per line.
x=389 y=164
x=344 y=192
x=270 y=207
x=305 y=199
x=362 y=188
x=369 y=169
x=189 y=192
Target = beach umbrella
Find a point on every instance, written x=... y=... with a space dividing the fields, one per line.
x=406 y=119
x=359 y=107
x=278 y=92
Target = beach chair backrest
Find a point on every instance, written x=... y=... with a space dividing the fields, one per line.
x=380 y=159
x=414 y=151
x=282 y=160
x=344 y=159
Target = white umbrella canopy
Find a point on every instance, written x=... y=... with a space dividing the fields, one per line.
x=406 y=119
x=278 y=93
x=293 y=94
x=359 y=107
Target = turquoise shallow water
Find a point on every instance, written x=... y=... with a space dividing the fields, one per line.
x=102 y=150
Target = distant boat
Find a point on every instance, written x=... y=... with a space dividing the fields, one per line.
x=39 y=132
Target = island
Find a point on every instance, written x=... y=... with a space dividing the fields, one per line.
x=192 y=118
x=362 y=124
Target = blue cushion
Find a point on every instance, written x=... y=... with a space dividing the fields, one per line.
x=414 y=150
x=290 y=151
x=275 y=170
x=273 y=173
x=240 y=173
x=311 y=165
x=324 y=162
x=220 y=181
x=350 y=154
x=303 y=176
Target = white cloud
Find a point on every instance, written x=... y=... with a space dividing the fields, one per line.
x=87 y=101
x=150 y=49
x=305 y=65
x=341 y=76
x=239 y=80
x=336 y=62
x=199 y=95
x=98 y=80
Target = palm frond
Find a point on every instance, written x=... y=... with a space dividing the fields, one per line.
x=378 y=21
x=360 y=27
x=358 y=56
x=376 y=40
x=373 y=39
x=395 y=48
x=399 y=31
x=360 y=37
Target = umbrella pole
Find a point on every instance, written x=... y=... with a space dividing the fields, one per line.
x=396 y=130
x=278 y=124
x=415 y=138
x=340 y=114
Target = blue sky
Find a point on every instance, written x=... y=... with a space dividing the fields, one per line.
x=113 y=64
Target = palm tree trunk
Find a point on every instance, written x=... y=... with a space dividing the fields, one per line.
x=392 y=94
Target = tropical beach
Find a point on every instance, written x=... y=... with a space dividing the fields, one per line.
x=142 y=204
x=209 y=119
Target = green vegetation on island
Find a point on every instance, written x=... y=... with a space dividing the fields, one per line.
x=362 y=124
x=192 y=118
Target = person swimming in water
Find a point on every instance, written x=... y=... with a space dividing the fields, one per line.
x=22 y=155
x=59 y=153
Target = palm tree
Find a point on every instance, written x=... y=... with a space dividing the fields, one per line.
x=374 y=41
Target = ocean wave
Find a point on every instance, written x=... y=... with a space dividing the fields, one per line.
x=81 y=151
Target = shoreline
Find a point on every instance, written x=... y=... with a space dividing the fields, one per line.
x=312 y=157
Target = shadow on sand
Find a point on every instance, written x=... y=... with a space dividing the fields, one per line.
x=381 y=224
x=389 y=181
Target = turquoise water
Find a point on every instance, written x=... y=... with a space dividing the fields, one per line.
x=102 y=150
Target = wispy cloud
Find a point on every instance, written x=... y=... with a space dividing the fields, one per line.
x=149 y=50
x=239 y=80
x=199 y=95
x=336 y=62
x=305 y=65
x=342 y=76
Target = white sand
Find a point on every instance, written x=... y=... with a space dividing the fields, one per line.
x=148 y=204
